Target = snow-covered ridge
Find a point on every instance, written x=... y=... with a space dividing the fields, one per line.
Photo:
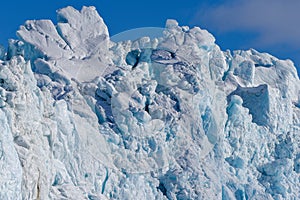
x=174 y=117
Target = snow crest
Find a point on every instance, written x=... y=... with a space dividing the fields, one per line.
x=172 y=117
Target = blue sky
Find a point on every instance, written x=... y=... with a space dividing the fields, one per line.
x=269 y=26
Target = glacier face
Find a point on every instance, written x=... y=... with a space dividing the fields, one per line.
x=174 y=117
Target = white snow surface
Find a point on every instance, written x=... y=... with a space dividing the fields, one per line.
x=175 y=117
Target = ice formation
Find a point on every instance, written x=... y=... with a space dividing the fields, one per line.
x=175 y=117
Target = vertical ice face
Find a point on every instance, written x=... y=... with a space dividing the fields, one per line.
x=11 y=170
x=165 y=118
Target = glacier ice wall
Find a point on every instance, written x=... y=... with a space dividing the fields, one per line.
x=174 y=117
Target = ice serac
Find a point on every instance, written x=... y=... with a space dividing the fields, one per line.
x=174 y=117
x=78 y=36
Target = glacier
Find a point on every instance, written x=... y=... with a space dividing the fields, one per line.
x=173 y=117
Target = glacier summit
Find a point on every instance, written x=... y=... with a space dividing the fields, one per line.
x=83 y=117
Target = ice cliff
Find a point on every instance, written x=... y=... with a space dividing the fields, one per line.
x=175 y=117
